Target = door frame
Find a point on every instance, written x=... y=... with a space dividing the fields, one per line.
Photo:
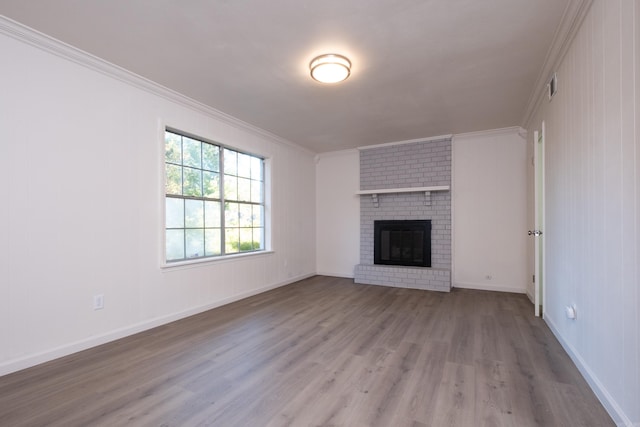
x=539 y=215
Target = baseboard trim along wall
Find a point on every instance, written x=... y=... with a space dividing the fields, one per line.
x=333 y=274
x=486 y=287
x=610 y=405
x=65 y=350
x=530 y=296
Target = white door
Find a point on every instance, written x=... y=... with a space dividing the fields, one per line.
x=539 y=221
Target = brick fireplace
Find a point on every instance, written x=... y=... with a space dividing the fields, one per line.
x=407 y=182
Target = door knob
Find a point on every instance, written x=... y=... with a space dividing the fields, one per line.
x=535 y=233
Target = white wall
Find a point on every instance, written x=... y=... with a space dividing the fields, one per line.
x=489 y=211
x=81 y=206
x=337 y=212
x=592 y=229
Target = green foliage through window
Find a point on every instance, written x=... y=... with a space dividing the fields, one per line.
x=214 y=202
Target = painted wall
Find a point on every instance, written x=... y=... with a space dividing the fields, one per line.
x=592 y=229
x=489 y=211
x=337 y=212
x=81 y=207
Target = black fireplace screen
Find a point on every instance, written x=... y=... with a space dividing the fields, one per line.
x=402 y=243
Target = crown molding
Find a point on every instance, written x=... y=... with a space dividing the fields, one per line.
x=522 y=133
x=409 y=141
x=570 y=23
x=65 y=51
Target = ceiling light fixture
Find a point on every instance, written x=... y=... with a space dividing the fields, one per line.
x=330 y=68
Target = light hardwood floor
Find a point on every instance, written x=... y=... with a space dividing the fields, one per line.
x=320 y=352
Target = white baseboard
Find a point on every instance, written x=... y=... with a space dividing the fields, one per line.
x=609 y=403
x=334 y=274
x=530 y=296
x=486 y=287
x=74 y=347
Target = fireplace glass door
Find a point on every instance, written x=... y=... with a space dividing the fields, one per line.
x=405 y=242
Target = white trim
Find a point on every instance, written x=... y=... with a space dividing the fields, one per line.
x=543 y=271
x=405 y=190
x=603 y=395
x=162 y=194
x=199 y=262
x=452 y=213
x=485 y=287
x=63 y=50
x=409 y=141
x=492 y=132
x=530 y=296
x=333 y=274
x=571 y=21
x=65 y=350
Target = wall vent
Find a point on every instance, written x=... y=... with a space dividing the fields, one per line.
x=552 y=86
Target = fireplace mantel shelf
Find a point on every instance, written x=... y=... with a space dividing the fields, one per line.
x=405 y=190
x=426 y=190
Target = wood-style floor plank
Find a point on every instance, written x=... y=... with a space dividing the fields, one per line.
x=455 y=405
x=320 y=352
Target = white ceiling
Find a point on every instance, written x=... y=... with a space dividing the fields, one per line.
x=421 y=68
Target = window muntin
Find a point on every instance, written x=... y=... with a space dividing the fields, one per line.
x=214 y=199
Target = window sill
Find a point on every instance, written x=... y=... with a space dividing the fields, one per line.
x=200 y=262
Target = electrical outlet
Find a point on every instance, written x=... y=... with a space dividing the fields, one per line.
x=570 y=311
x=98 y=302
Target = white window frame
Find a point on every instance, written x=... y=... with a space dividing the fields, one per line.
x=266 y=203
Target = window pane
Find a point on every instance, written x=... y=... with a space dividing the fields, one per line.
x=211 y=183
x=195 y=243
x=246 y=239
x=256 y=168
x=256 y=191
x=198 y=179
x=244 y=189
x=230 y=162
x=191 y=152
x=175 y=244
x=231 y=240
x=231 y=215
x=257 y=238
x=244 y=165
x=194 y=214
x=258 y=213
x=230 y=187
x=213 y=244
x=245 y=215
x=172 y=148
x=174 y=213
x=174 y=179
x=211 y=157
x=192 y=182
x=212 y=214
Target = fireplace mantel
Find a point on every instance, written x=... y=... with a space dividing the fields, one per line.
x=426 y=190
x=405 y=190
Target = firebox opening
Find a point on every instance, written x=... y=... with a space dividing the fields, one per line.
x=405 y=242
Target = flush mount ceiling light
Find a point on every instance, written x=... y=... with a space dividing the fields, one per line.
x=330 y=68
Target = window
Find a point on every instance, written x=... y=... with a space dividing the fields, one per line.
x=214 y=199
